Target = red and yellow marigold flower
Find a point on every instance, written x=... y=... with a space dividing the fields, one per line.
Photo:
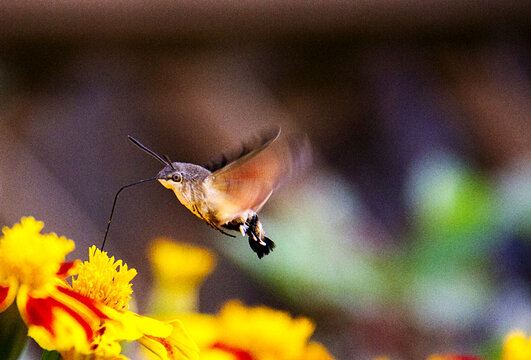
x=84 y=321
x=254 y=333
x=30 y=261
x=32 y=269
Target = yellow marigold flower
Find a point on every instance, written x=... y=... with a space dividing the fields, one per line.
x=254 y=333
x=30 y=258
x=517 y=346
x=99 y=280
x=178 y=269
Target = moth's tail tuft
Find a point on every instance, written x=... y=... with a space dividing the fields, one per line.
x=263 y=247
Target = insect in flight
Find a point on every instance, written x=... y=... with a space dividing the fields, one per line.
x=228 y=193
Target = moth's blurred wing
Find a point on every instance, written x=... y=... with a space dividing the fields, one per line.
x=247 y=151
x=247 y=183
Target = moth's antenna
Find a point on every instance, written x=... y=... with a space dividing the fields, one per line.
x=149 y=151
x=114 y=204
x=169 y=161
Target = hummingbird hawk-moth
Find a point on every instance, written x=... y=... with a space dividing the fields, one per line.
x=228 y=193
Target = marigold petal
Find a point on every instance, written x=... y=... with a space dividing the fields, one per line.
x=152 y=327
x=217 y=354
x=237 y=353
x=316 y=351
x=68 y=268
x=182 y=340
x=60 y=321
x=57 y=327
x=83 y=304
x=8 y=293
x=73 y=355
x=68 y=332
x=177 y=346
x=126 y=325
x=106 y=346
x=204 y=329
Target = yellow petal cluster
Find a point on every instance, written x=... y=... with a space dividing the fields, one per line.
x=29 y=257
x=105 y=280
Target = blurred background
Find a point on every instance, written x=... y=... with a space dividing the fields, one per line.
x=410 y=235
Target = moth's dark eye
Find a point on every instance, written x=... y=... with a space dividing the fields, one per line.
x=177 y=177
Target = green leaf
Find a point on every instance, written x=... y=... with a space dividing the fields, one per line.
x=50 y=355
x=13 y=333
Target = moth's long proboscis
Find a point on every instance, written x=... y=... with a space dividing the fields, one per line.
x=114 y=205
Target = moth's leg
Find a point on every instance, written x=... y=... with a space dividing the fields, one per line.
x=253 y=229
x=238 y=225
x=243 y=228
x=260 y=244
x=233 y=225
